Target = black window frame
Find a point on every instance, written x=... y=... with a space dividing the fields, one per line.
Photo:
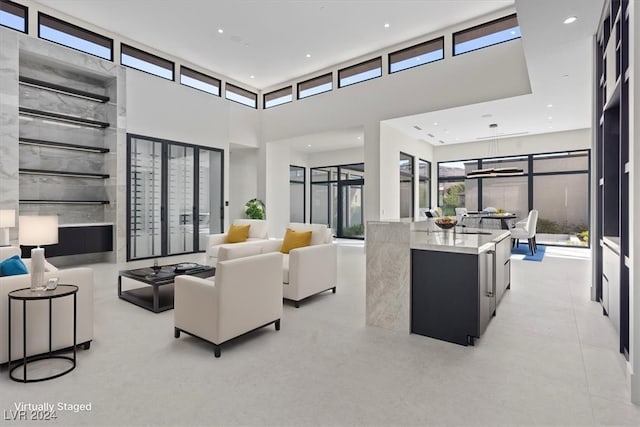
x=9 y=7
x=409 y=49
x=412 y=162
x=427 y=179
x=360 y=65
x=287 y=90
x=76 y=31
x=204 y=78
x=304 y=187
x=149 y=58
x=241 y=92
x=323 y=77
x=477 y=28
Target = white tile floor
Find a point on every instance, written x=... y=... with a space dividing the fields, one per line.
x=548 y=358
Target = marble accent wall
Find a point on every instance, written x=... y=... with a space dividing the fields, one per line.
x=388 y=284
x=23 y=55
x=9 y=122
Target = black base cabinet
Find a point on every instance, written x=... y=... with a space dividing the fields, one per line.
x=453 y=295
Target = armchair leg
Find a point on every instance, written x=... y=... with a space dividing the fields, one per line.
x=87 y=345
x=216 y=350
x=277 y=323
x=296 y=304
x=334 y=289
x=176 y=332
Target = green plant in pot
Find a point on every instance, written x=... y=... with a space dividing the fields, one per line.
x=254 y=209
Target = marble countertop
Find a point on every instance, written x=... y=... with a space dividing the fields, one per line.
x=458 y=241
x=88 y=224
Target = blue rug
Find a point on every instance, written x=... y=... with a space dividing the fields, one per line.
x=524 y=250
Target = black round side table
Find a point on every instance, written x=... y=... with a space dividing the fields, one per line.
x=25 y=295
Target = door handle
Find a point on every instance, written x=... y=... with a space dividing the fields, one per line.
x=491 y=292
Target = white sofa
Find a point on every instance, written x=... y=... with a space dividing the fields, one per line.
x=244 y=295
x=257 y=233
x=309 y=270
x=38 y=312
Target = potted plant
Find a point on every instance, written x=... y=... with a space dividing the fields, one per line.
x=254 y=209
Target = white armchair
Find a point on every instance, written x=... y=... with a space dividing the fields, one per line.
x=308 y=270
x=244 y=295
x=257 y=233
x=37 y=312
x=526 y=230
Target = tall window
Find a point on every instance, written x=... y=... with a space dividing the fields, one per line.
x=424 y=185
x=297 y=179
x=57 y=31
x=144 y=61
x=174 y=197
x=488 y=34
x=13 y=15
x=406 y=185
x=454 y=190
x=337 y=199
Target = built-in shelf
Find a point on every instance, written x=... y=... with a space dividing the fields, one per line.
x=28 y=81
x=62 y=145
x=62 y=118
x=63 y=202
x=62 y=173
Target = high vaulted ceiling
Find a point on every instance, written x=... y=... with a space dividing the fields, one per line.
x=270 y=40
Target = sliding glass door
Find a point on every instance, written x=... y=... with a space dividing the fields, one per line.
x=174 y=197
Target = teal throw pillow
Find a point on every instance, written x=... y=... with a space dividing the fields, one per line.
x=13 y=266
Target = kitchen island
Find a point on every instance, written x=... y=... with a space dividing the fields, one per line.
x=439 y=283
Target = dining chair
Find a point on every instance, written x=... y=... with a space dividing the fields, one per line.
x=460 y=214
x=526 y=230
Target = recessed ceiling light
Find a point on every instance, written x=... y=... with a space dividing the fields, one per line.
x=252 y=76
x=308 y=145
x=549 y=105
x=308 y=55
x=570 y=20
x=359 y=137
x=220 y=31
x=435 y=123
x=550 y=118
x=386 y=25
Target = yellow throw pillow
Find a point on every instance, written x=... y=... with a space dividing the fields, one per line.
x=237 y=233
x=295 y=239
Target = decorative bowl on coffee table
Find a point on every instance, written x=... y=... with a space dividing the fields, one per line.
x=446 y=222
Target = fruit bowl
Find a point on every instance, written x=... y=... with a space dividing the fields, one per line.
x=446 y=222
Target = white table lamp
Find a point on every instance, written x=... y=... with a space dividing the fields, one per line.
x=7 y=221
x=36 y=231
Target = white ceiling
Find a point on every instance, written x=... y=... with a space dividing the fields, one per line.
x=269 y=39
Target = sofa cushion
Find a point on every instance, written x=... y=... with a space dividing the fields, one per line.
x=295 y=239
x=319 y=231
x=285 y=269
x=13 y=266
x=258 y=228
x=237 y=233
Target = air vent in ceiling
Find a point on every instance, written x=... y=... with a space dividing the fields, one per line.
x=441 y=141
x=431 y=135
x=416 y=127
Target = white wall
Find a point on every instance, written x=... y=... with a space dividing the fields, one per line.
x=277 y=158
x=392 y=142
x=243 y=181
x=544 y=143
x=337 y=157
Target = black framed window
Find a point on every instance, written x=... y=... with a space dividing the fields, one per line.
x=406 y=185
x=361 y=72
x=14 y=15
x=145 y=61
x=555 y=184
x=174 y=196
x=424 y=184
x=487 y=34
x=66 y=34
x=242 y=96
x=200 y=81
x=315 y=86
x=278 y=97
x=297 y=185
x=417 y=55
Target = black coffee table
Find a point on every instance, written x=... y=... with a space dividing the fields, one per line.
x=158 y=296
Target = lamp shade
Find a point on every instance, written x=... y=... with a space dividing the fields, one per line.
x=7 y=218
x=38 y=230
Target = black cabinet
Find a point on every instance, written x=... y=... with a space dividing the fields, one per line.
x=453 y=295
x=78 y=240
